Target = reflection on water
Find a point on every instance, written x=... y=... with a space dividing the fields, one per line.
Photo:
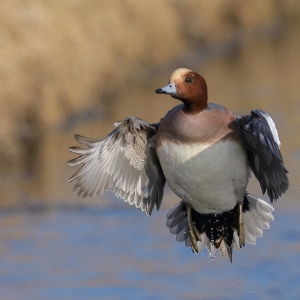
x=114 y=251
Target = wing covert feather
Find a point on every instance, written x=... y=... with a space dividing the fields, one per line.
x=264 y=156
x=124 y=162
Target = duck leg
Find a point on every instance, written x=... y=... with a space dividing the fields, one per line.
x=193 y=231
x=241 y=227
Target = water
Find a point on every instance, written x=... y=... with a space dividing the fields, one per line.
x=54 y=246
x=121 y=254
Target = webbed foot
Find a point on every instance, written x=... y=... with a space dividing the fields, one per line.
x=241 y=226
x=193 y=231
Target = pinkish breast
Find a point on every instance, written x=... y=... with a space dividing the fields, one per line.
x=211 y=125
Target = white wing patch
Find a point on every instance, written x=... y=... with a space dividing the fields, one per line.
x=272 y=127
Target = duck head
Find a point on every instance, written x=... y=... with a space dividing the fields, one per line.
x=189 y=87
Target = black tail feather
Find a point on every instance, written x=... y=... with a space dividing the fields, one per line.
x=219 y=227
x=220 y=231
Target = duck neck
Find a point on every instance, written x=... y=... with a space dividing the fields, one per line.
x=194 y=107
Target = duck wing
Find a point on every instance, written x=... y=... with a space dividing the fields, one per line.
x=124 y=162
x=264 y=156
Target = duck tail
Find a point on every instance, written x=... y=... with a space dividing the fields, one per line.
x=220 y=231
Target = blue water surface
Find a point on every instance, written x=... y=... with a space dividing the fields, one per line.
x=104 y=253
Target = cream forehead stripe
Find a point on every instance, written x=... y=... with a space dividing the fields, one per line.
x=178 y=73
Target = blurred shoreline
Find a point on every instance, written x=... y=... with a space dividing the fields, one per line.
x=60 y=59
x=63 y=83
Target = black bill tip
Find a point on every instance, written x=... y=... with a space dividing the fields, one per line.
x=160 y=91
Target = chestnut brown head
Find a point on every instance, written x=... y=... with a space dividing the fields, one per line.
x=189 y=87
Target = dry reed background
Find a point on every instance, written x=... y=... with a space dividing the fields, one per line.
x=60 y=57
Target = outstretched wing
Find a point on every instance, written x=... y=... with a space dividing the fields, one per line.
x=124 y=162
x=264 y=157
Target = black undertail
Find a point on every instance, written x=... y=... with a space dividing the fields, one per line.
x=220 y=231
x=219 y=227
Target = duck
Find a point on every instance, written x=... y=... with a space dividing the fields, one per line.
x=205 y=153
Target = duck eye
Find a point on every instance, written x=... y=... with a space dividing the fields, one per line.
x=188 y=80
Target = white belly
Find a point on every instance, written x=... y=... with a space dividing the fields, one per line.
x=213 y=178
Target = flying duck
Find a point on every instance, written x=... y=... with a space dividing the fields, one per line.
x=206 y=155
